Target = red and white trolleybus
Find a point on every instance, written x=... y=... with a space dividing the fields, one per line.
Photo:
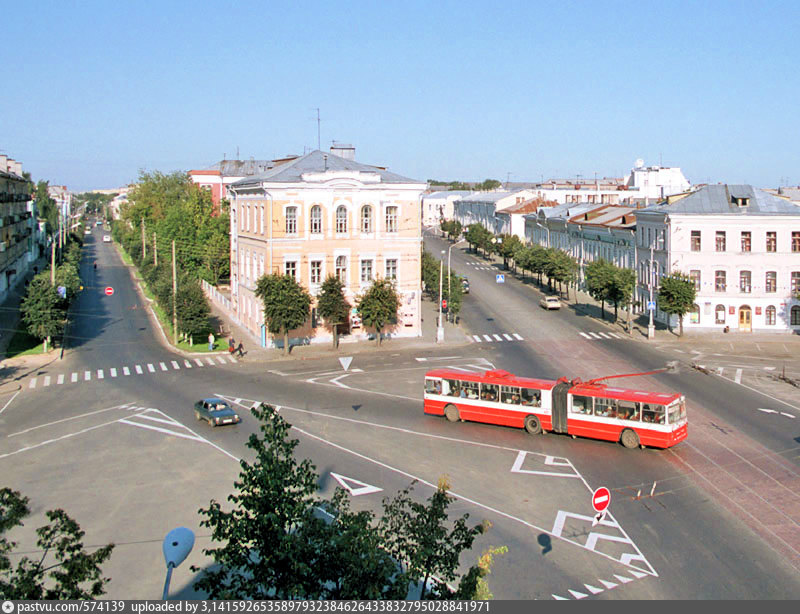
x=581 y=409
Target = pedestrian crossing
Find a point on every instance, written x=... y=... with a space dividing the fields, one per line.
x=511 y=337
x=126 y=370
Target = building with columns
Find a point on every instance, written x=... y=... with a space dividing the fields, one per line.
x=325 y=214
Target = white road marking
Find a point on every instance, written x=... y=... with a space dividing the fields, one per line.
x=138 y=370
x=150 y=367
x=100 y=374
x=738 y=377
x=498 y=338
x=769 y=368
x=338 y=383
x=768 y=411
x=517 y=337
x=356 y=370
x=87 y=375
x=91 y=413
x=487 y=337
x=9 y=401
x=187 y=364
x=608 y=585
x=477 y=338
x=220 y=360
x=159 y=429
x=74 y=378
x=783 y=413
x=557 y=598
x=518 y=462
x=46 y=380
x=362 y=488
x=199 y=362
x=720 y=370
x=231 y=360
x=113 y=372
x=577 y=594
x=604 y=335
x=175 y=365
x=615 y=335
x=593 y=589
x=163 y=366
x=585 y=335
x=638 y=574
x=60 y=379
x=508 y=337
x=126 y=371
x=623 y=579
x=211 y=362
x=595 y=335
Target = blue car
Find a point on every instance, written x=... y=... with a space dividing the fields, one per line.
x=215 y=412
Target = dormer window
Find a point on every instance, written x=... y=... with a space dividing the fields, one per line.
x=740 y=201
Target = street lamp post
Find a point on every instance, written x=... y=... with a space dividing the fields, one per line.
x=651 y=329
x=440 y=327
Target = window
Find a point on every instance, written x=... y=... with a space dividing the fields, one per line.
x=366 y=218
x=290 y=269
x=771 y=281
x=795 y=283
x=719 y=281
x=451 y=387
x=652 y=413
x=391 y=219
x=745 y=240
x=695 y=277
x=489 y=392
x=316 y=219
x=469 y=390
x=720 y=240
x=771 y=315
x=719 y=314
x=341 y=219
x=795 y=316
x=316 y=271
x=772 y=241
x=694 y=314
x=366 y=271
x=532 y=397
x=582 y=405
x=391 y=268
x=796 y=241
x=695 y=240
x=291 y=220
x=605 y=408
x=509 y=394
x=627 y=410
x=744 y=281
x=341 y=269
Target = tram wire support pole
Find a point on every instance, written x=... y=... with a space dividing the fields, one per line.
x=174 y=298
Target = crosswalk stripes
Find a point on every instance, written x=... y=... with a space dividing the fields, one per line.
x=113 y=372
x=493 y=337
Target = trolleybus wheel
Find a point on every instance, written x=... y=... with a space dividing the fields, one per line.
x=451 y=413
x=629 y=439
x=532 y=425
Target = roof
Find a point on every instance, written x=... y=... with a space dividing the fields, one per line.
x=607 y=215
x=319 y=162
x=446 y=193
x=564 y=210
x=623 y=394
x=488 y=197
x=240 y=168
x=494 y=377
x=719 y=200
x=529 y=206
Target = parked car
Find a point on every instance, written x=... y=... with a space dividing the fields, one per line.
x=99 y=222
x=550 y=302
x=215 y=412
x=465 y=285
x=106 y=238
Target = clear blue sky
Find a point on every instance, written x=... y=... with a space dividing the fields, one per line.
x=94 y=91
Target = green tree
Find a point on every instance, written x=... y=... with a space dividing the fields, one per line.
x=562 y=268
x=488 y=185
x=68 y=576
x=538 y=260
x=67 y=276
x=418 y=535
x=378 y=306
x=621 y=290
x=43 y=310
x=474 y=236
x=193 y=309
x=48 y=210
x=332 y=305
x=676 y=296
x=599 y=281
x=286 y=304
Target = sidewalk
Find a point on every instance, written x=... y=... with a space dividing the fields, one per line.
x=453 y=336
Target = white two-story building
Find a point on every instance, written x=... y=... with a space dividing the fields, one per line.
x=740 y=245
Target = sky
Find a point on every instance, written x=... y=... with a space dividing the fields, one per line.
x=95 y=92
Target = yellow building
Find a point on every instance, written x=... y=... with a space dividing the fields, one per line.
x=326 y=214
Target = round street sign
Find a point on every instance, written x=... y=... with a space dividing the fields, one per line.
x=601 y=498
x=109 y=291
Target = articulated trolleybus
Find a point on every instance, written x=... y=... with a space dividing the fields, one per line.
x=581 y=409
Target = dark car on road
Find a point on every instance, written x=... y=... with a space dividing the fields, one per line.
x=215 y=412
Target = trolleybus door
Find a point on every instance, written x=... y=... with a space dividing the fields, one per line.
x=559 y=413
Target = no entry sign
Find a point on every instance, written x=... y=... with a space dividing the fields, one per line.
x=109 y=291
x=601 y=498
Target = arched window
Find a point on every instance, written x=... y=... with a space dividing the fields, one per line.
x=316 y=219
x=341 y=219
x=719 y=314
x=341 y=269
x=795 y=317
x=694 y=314
x=771 y=315
x=291 y=220
x=366 y=218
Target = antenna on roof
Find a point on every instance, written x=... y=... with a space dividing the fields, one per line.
x=237 y=152
x=319 y=142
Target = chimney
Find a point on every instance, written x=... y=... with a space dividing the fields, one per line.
x=343 y=150
x=3 y=162
x=18 y=168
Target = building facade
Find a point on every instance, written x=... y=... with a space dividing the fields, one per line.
x=438 y=206
x=322 y=214
x=18 y=226
x=481 y=207
x=741 y=247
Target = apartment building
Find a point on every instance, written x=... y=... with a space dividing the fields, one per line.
x=438 y=206
x=17 y=225
x=326 y=214
x=481 y=207
x=741 y=247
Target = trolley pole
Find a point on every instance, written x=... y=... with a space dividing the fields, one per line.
x=174 y=298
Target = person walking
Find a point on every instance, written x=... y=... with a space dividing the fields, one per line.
x=231 y=345
x=210 y=341
x=240 y=349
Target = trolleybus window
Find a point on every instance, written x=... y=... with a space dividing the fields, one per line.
x=532 y=397
x=509 y=394
x=627 y=410
x=433 y=386
x=581 y=405
x=469 y=390
x=489 y=392
x=653 y=413
x=677 y=411
x=451 y=387
x=606 y=408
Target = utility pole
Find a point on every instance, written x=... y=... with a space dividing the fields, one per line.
x=53 y=264
x=651 y=329
x=174 y=298
x=155 y=251
x=144 y=242
x=440 y=327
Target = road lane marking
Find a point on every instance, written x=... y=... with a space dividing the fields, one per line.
x=100 y=374
x=508 y=337
x=603 y=335
x=113 y=372
x=159 y=429
x=588 y=337
x=150 y=367
x=517 y=337
x=46 y=380
x=87 y=375
x=175 y=365
x=60 y=379
x=477 y=338
x=163 y=366
x=74 y=377
x=783 y=413
x=615 y=335
x=220 y=360
x=91 y=413
x=498 y=338
x=9 y=401
x=232 y=360
x=188 y=364
x=209 y=361
x=738 y=377
x=487 y=337
x=138 y=370
x=126 y=371
x=767 y=411
x=595 y=335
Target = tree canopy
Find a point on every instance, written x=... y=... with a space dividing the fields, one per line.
x=378 y=306
x=676 y=296
x=286 y=304
x=332 y=305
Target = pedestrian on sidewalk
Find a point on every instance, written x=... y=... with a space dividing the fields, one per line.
x=231 y=345
x=210 y=341
x=240 y=349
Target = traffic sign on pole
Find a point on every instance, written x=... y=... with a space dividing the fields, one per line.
x=500 y=278
x=651 y=305
x=601 y=499
x=109 y=291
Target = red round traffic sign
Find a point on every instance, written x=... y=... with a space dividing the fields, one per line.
x=109 y=291
x=601 y=499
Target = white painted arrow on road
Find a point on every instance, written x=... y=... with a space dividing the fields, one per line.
x=360 y=488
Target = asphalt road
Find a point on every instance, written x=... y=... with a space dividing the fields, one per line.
x=686 y=541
